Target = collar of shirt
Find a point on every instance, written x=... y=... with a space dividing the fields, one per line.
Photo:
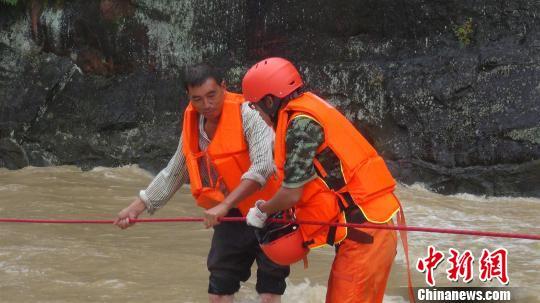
x=202 y=133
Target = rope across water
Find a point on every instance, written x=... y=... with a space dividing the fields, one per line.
x=241 y=219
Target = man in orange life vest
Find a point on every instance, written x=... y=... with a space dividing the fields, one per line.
x=226 y=152
x=330 y=173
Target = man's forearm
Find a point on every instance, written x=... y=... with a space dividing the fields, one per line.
x=241 y=192
x=285 y=198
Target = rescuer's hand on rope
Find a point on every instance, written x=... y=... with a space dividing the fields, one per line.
x=212 y=215
x=255 y=216
x=131 y=212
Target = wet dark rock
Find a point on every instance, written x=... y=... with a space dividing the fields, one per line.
x=57 y=115
x=12 y=156
x=447 y=91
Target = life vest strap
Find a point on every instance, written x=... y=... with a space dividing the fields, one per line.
x=308 y=243
x=359 y=236
x=335 y=184
x=348 y=199
x=352 y=215
x=331 y=236
x=199 y=154
x=403 y=233
x=342 y=206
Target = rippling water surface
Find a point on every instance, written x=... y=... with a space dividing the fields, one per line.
x=166 y=262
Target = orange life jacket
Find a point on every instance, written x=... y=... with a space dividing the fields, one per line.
x=367 y=181
x=227 y=153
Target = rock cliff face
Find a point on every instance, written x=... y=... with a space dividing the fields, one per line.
x=447 y=91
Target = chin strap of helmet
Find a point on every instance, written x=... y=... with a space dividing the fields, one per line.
x=273 y=110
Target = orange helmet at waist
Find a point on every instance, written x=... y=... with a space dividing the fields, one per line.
x=282 y=243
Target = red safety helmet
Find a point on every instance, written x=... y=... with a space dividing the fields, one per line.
x=272 y=76
x=282 y=243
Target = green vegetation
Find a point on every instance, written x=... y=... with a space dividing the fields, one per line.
x=10 y=2
x=464 y=32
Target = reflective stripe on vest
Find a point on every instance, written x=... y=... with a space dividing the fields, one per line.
x=227 y=153
x=366 y=177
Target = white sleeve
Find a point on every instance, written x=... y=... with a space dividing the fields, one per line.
x=260 y=140
x=166 y=183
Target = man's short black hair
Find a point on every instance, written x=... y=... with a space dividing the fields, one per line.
x=197 y=74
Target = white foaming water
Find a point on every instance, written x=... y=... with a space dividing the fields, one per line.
x=307 y=292
x=486 y=199
x=130 y=168
x=304 y=292
x=421 y=187
x=12 y=187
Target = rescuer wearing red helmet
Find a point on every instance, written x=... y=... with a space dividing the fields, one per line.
x=331 y=174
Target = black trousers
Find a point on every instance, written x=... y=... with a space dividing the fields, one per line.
x=233 y=251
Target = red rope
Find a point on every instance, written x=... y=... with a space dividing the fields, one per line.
x=241 y=219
